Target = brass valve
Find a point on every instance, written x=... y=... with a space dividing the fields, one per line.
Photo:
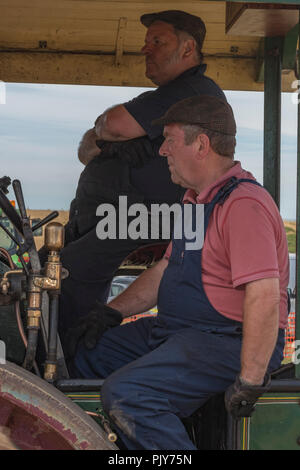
x=54 y=242
x=54 y=237
x=5 y=283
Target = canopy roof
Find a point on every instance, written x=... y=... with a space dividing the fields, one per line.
x=98 y=42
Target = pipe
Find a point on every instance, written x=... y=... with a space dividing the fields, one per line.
x=33 y=321
x=51 y=361
x=32 y=339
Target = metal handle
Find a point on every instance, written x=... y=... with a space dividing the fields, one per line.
x=19 y=197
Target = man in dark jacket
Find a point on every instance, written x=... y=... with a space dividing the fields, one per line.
x=131 y=165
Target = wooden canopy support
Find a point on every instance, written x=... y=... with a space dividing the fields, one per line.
x=100 y=69
x=260 y=19
x=120 y=40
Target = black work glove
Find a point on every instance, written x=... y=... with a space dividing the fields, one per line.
x=102 y=144
x=91 y=327
x=240 y=398
x=8 y=299
x=135 y=152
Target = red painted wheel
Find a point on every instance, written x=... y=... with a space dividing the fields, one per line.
x=38 y=416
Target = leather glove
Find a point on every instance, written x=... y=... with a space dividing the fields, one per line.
x=135 y=152
x=92 y=326
x=240 y=398
x=7 y=299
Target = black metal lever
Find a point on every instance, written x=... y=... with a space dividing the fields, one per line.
x=19 y=197
x=47 y=219
x=11 y=212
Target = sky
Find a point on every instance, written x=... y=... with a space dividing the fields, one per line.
x=42 y=125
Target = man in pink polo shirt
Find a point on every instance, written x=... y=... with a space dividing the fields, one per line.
x=239 y=233
x=222 y=306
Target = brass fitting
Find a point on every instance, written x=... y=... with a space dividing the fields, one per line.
x=50 y=372
x=4 y=283
x=34 y=308
x=54 y=237
x=54 y=242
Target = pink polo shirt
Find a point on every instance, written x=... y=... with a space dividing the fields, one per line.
x=245 y=241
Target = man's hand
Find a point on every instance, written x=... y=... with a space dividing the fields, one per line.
x=91 y=327
x=88 y=147
x=240 y=398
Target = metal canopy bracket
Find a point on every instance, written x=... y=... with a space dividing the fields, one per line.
x=289 y=54
x=272 y=116
x=290 y=49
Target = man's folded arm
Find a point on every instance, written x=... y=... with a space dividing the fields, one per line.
x=117 y=124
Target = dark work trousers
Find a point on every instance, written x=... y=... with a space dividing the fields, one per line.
x=159 y=370
x=92 y=264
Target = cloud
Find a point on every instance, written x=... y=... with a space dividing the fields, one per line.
x=76 y=106
x=248 y=109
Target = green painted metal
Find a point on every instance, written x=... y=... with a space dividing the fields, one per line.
x=290 y=49
x=297 y=328
x=260 y=62
x=88 y=401
x=288 y=54
x=272 y=116
x=274 y=425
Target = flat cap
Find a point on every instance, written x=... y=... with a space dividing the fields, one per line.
x=180 y=20
x=206 y=111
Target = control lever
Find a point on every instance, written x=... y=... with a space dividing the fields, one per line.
x=20 y=199
x=29 y=243
x=5 y=181
x=47 y=219
x=11 y=212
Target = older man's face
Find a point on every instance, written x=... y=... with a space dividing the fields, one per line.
x=181 y=157
x=162 y=51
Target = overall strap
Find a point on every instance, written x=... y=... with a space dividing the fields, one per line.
x=223 y=194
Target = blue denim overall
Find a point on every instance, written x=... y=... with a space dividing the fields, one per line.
x=162 y=369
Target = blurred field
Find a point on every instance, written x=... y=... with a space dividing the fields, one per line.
x=290 y=228
x=40 y=214
x=63 y=215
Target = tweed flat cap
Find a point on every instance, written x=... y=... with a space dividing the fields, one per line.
x=180 y=20
x=206 y=111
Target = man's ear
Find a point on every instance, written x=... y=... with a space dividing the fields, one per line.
x=189 y=48
x=203 y=144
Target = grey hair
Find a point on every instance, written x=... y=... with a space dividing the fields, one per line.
x=184 y=36
x=222 y=144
